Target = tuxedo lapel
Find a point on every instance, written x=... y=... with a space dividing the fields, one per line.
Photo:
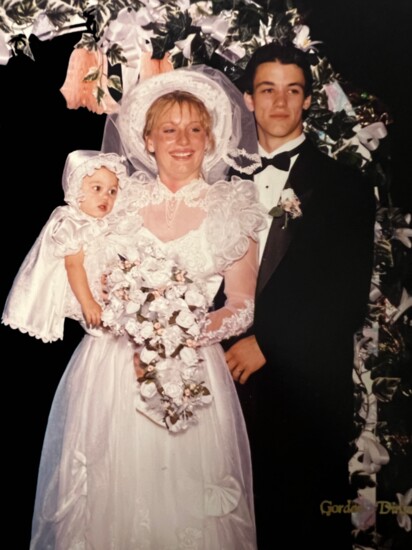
x=277 y=243
x=280 y=237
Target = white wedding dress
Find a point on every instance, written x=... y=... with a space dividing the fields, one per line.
x=109 y=477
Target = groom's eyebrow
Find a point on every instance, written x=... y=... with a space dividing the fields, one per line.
x=270 y=83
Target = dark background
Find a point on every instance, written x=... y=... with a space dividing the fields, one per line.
x=367 y=43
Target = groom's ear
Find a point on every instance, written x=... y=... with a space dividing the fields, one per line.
x=248 y=99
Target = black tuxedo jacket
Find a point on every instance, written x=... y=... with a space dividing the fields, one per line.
x=311 y=297
x=314 y=278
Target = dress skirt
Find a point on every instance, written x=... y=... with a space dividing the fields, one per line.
x=112 y=479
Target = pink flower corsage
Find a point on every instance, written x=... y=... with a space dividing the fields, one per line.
x=289 y=204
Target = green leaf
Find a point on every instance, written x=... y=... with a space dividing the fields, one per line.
x=276 y=212
x=384 y=388
x=59 y=15
x=115 y=82
x=87 y=42
x=115 y=54
x=92 y=74
x=100 y=93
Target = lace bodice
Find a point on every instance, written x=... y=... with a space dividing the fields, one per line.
x=211 y=231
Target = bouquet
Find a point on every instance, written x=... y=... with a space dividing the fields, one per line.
x=163 y=312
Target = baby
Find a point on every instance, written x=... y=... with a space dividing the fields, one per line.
x=61 y=275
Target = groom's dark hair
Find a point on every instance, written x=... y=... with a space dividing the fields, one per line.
x=274 y=51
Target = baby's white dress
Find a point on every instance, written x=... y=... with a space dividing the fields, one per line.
x=41 y=298
x=109 y=477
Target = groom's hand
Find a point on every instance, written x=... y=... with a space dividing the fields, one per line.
x=244 y=358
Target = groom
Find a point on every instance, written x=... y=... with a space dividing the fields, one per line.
x=295 y=368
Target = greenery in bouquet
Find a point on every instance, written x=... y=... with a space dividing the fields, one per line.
x=152 y=301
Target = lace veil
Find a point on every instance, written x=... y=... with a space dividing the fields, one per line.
x=83 y=162
x=233 y=125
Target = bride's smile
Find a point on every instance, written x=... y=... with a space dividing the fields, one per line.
x=178 y=140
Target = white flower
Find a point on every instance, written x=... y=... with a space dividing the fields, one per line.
x=147 y=356
x=185 y=319
x=165 y=322
x=194 y=298
x=117 y=275
x=108 y=317
x=132 y=307
x=374 y=454
x=188 y=356
x=194 y=331
x=403 y=234
x=136 y=295
x=148 y=390
x=290 y=203
x=302 y=39
x=159 y=305
x=173 y=389
x=405 y=510
x=146 y=330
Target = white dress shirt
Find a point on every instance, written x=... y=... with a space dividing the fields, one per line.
x=270 y=183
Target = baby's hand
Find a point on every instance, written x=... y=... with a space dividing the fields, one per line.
x=92 y=313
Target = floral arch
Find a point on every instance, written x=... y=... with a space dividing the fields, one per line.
x=124 y=39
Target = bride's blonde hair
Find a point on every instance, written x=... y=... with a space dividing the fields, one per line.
x=165 y=102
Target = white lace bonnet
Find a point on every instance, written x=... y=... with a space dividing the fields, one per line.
x=83 y=162
x=233 y=126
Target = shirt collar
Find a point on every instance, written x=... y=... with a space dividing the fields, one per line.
x=288 y=146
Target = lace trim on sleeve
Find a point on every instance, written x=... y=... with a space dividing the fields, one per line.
x=233 y=325
x=235 y=215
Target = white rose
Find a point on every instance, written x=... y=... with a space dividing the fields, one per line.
x=108 y=317
x=185 y=319
x=159 y=304
x=171 y=338
x=132 y=307
x=136 y=295
x=146 y=330
x=147 y=356
x=194 y=298
x=194 y=330
x=173 y=389
x=188 y=356
x=117 y=275
x=148 y=390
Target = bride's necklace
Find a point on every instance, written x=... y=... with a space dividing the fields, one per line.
x=171 y=206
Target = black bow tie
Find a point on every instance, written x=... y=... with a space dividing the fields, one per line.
x=280 y=161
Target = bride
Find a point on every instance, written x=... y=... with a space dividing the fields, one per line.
x=110 y=477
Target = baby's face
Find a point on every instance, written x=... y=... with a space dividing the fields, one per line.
x=99 y=191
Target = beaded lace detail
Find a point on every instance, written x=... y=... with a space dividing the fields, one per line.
x=231 y=326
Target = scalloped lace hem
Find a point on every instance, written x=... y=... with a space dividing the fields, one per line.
x=31 y=332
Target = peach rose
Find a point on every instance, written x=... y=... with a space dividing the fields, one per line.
x=80 y=92
x=150 y=67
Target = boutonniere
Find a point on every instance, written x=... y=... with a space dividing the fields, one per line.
x=289 y=204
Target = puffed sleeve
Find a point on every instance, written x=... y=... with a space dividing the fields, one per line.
x=233 y=225
x=234 y=216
